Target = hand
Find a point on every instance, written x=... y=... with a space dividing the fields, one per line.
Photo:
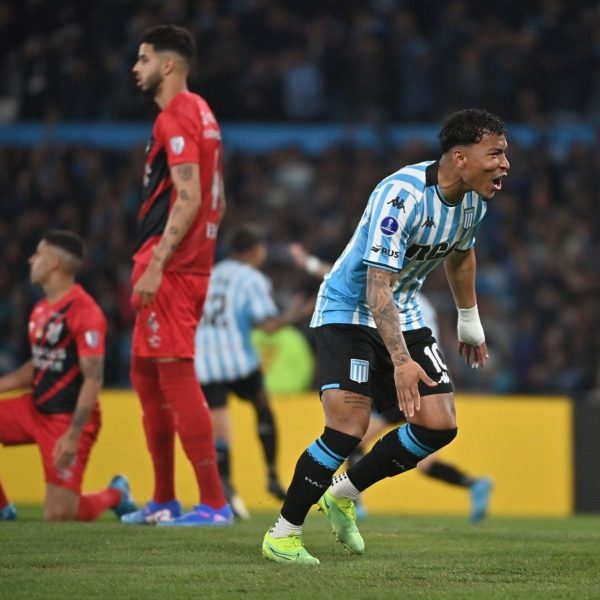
x=298 y=254
x=147 y=285
x=471 y=338
x=407 y=377
x=475 y=356
x=65 y=450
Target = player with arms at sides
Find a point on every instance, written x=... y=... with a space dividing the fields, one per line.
x=183 y=202
x=239 y=298
x=372 y=343
x=60 y=412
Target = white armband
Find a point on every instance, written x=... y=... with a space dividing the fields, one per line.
x=469 y=328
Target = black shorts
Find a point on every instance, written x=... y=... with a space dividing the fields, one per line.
x=354 y=358
x=247 y=388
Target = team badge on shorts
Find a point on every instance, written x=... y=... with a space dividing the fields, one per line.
x=359 y=370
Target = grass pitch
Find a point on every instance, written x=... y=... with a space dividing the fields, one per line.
x=406 y=557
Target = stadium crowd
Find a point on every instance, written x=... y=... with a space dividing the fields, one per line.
x=378 y=62
x=403 y=60
x=538 y=253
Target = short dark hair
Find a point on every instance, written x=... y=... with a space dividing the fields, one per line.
x=246 y=237
x=170 y=37
x=468 y=126
x=67 y=241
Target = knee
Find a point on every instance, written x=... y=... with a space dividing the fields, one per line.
x=433 y=439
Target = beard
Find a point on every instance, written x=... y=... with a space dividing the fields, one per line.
x=153 y=84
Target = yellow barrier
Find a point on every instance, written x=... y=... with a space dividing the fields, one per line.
x=525 y=444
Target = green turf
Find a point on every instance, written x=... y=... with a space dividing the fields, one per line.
x=406 y=557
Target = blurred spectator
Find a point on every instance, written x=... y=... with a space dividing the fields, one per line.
x=272 y=59
x=538 y=262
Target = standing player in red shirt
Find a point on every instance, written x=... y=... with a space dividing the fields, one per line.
x=183 y=203
x=60 y=414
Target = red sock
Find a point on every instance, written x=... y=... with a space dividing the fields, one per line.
x=192 y=421
x=158 y=426
x=91 y=506
x=3 y=498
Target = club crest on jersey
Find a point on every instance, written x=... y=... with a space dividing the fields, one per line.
x=359 y=370
x=92 y=338
x=389 y=226
x=177 y=144
x=468 y=218
x=53 y=332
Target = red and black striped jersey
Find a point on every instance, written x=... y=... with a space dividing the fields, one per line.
x=186 y=131
x=60 y=334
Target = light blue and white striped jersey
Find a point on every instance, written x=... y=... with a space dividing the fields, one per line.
x=408 y=228
x=239 y=296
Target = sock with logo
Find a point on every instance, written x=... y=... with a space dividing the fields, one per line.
x=448 y=473
x=192 y=420
x=314 y=471
x=396 y=452
x=91 y=506
x=158 y=427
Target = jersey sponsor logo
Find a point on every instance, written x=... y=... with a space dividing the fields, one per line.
x=468 y=218
x=418 y=252
x=359 y=370
x=211 y=231
x=211 y=134
x=177 y=144
x=429 y=223
x=389 y=226
x=385 y=251
x=48 y=359
x=92 y=338
x=398 y=203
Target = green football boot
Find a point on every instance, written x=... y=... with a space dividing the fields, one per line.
x=342 y=516
x=289 y=549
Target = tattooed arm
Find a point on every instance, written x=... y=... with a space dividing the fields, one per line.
x=65 y=449
x=186 y=179
x=407 y=372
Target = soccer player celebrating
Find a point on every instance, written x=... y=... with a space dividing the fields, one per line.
x=372 y=343
x=183 y=202
x=60 y=413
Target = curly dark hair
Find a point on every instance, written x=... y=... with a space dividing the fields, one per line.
x=468 y=126
x=173 y=38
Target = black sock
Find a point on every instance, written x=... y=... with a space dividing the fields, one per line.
x=396 y=452
x=355 y=456
x=314 y=471
x=222 y=448
x=267 y=435
x=448 y=473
